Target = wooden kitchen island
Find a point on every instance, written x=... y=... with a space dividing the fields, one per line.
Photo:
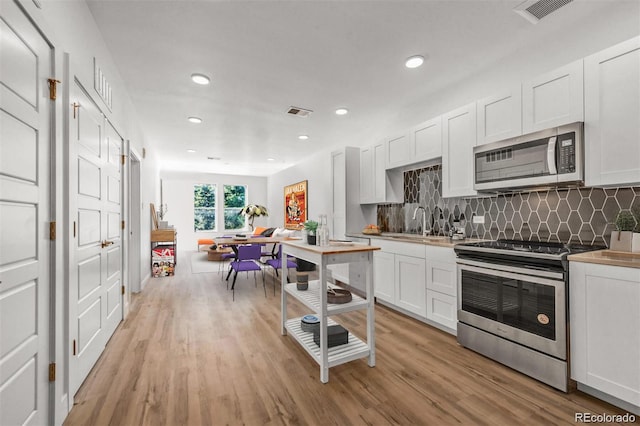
x=315 y=298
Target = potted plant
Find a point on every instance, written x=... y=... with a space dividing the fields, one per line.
x=311 y=226
x=621 y=238
x=635 y=237
x=252 y=211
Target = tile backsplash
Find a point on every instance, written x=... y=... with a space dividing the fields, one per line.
x=584 y=215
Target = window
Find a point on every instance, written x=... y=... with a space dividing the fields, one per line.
x=235 y=197
x=204 y=207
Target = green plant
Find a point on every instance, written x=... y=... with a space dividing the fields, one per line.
x=625 y=221
x=310 y=226
x=636 y=215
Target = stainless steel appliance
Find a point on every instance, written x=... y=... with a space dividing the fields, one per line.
x=513 y=304
x=546 y=158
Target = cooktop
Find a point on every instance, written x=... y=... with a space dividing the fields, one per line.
x=532 y=248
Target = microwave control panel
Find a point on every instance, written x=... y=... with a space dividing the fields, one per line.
x=566 y=150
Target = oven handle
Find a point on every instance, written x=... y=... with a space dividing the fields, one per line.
x=495 y=267
x=511 y=275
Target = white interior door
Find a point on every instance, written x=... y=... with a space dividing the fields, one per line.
x=95 y=274
x=135 y=276
x=25 y=247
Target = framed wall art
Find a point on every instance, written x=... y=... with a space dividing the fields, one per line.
x=295 y=205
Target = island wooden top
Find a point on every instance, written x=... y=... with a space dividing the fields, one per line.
x=334 y=247
x=608 y=257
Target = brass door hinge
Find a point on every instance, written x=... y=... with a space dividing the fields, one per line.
x=74 y=347
x=52 y=372
x=122 y=158
x=122 y=289
x=53 y=83
x=52 y=230
x=75 y=108
x=122 y=224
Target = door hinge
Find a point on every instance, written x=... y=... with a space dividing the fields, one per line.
x=122 y=289
x=52 y=372
x=122 y=158
x=75 y=108
x=53 y=83
x=52 y=230
x=74 y=347
x=122 y=224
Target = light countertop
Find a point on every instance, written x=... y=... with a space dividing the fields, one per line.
x=430 y=240
x=608 y=257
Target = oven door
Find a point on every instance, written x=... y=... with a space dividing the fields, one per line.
x=526 y=309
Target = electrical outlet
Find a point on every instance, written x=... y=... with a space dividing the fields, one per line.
x=478 y=219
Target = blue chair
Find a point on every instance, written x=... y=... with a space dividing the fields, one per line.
x=248 y=259
x=277 y=264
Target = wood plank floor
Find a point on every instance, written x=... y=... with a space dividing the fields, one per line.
x=188 y=355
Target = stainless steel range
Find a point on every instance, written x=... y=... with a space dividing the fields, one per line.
x=513 y=304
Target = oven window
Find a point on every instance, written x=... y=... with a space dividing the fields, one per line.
x=521 y=304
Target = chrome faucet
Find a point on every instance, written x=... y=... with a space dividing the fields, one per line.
x=424 y=219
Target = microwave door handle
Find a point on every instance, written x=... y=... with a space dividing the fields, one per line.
x=551 y=156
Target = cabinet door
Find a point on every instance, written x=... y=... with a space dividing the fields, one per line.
x=427 y=140
x=399 y=151
x=500 y=116
x=605 y=319
x=339 y=191
x=554 y=99
x=442 y=309
x=612 y=115
x=410 y=284
x=366 y=175
x=442 y=277
x=384 y=276
x=459 y=138
x=379 y=171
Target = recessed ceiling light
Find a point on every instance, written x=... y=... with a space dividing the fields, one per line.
x=196 y=120
x=200 y=79
x=342 y=111
x=191 y=151
x=271 y=159
x=214 y=158
x=414 y=61
x=303 y=137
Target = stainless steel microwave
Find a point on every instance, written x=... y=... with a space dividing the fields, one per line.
x=549 y=157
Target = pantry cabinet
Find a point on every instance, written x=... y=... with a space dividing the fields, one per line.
x=500 y=116
x=554 y=98
x=612 y=115
x=459 y=138
x=605 y=319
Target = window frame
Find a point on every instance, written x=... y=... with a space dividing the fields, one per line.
x=224 y=207
x=214 y=208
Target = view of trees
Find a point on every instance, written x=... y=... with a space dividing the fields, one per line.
x=235 y=197
x=204 y=207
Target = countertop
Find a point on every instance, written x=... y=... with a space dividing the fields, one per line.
x=608 y=257
x=430 y=240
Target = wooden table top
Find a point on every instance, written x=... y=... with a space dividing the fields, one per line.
x=334 y=247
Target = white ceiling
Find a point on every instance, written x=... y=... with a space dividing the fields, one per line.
x=264 y=56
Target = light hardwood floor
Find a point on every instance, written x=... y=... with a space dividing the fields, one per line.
x=188 y=355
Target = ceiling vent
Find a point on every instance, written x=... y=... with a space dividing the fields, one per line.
x=534 y=10
x=300 y=112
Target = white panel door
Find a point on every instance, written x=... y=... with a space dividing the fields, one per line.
x=339 y=185
x=427 y=140
x=366 y=175
x=458 y=140
x=384 y=276
x=95 y=273
x=25 y=248
x=410 y=284
x=500 y=116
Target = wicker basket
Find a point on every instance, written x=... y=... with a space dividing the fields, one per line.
x=338 y=295
x=371 y=232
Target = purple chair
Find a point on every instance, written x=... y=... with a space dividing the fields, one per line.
x=247 y=260
x=277 y=264
x=225 y=256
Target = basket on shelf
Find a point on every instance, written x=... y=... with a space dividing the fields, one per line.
x=338 y=295
x=371 y=229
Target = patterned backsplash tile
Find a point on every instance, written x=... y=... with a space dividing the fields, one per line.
x=584 y=215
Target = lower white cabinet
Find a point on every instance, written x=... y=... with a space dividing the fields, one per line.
x=605 y=324
x=384 y=276
x=442 y=305
x=410 y=284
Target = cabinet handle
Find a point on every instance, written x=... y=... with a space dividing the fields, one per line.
x=106 y=243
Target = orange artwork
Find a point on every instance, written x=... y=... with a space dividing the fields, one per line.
x=295 y=205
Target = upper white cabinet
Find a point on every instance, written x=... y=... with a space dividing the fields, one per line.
x=376 y=184
x=605 y=319
x=458 y=140
x=500 y=116
x=421 y=143
x=612 y=115
x=554 y=98
x=347 y=213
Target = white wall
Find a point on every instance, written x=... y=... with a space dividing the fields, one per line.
x=177 y=194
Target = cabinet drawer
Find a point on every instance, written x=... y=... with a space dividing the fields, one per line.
x=442 y=277
x=442 y=309
x=396 y=247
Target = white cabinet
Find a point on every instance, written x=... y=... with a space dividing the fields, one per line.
x=500 y=116
x=441 y=286
x=459 y=138
x=612 y=115
x=399 y=275
x=348 y=216
x=377 y=185
x=605 y=324
x=421 y=143
x=554 y=98
x=410 y=284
